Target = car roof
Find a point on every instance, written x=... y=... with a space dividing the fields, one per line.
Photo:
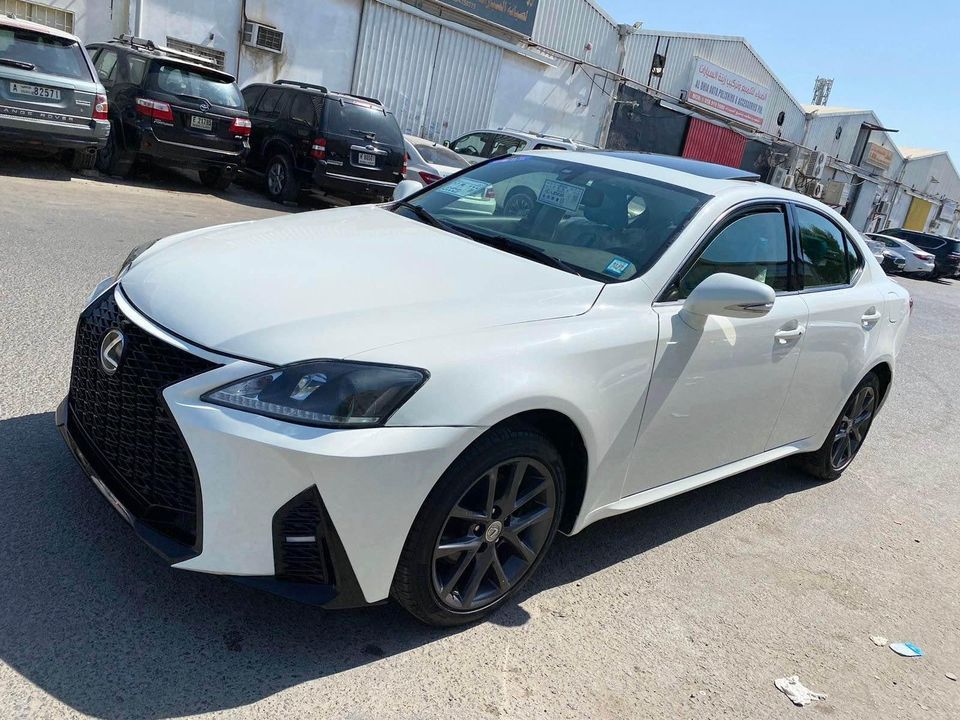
x=19 y=23
x=158 y=52
x=687 y=165
x=529 y=136
x=417 y=140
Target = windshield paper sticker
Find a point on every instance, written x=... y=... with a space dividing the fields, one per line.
x=561 y=195
x=617 y=267
x=464 y=188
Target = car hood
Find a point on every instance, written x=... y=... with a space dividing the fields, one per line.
x=334 y=283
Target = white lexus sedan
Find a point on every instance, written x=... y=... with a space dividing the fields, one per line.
x=410 y=400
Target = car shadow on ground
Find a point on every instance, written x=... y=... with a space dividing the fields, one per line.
x=92 y=617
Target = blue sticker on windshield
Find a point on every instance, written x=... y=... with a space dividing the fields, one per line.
x=617 y=267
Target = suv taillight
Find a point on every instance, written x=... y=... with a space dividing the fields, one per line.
x=100 y=108
x=155 y=109
x=428 y=178
x=241 y=126
x=318 y=151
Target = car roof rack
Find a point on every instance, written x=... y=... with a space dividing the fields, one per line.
x=305 y=86
x=149 y=45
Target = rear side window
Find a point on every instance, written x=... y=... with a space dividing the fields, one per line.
x=184 y=81
x=753 y=246
x=302 y=109
x=827 y=258
x=349 y=118
x=44 y=53
x=137 y=67
x=506 y=144
x=270 y=102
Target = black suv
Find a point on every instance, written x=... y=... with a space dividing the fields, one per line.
x=170 y=108
x=306 y=137
x=945 y=250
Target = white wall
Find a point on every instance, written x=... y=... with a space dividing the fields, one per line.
x=92 y=19
x=202 y=22
x=552 y=99
x=320 y=42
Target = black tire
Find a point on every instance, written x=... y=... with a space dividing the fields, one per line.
x=848 y=433
x=83 y=160
x=456 y=543
x=113 y=159
x=280 y=181
x=520 y=201
x=215 y=178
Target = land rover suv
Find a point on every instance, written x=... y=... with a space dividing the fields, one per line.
x=50 y=99
x=307 y=138
x=170 y=108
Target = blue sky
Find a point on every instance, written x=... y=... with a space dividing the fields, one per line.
x=899 y=59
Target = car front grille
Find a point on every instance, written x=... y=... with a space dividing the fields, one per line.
x=125 y=428
x=301 y=551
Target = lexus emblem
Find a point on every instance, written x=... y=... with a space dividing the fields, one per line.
x=205 y=106
x=111 y=351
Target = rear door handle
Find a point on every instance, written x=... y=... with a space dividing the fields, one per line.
x=870 y=317
x=784 y=336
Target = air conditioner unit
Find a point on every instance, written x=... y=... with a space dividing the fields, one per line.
x=778 y=176
x=835 y=193
x=788 y=183
x=263 y=37
x=818 y=190
x=816 y=162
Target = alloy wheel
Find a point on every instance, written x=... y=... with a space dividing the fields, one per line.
x=854 y=424
x=276 y=178
x=520 y=205
x=494 y=533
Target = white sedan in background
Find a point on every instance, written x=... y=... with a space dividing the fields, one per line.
x=917 y=261
x=411 y=400
x=428 y=161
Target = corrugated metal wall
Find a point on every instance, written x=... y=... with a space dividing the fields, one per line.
x=464 y=81
x=713 y=143
x=568 y=25
x=822 y=131
x=395 y=61
x=731 y=53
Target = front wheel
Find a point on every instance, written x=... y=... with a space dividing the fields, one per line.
x=847 y=434
x=483 y=529
x=113 y=159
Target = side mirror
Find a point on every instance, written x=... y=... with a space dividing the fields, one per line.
x=446 y=143
x=406 y=188
x=727 y=295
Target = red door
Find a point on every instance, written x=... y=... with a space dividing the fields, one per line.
x=713 y=143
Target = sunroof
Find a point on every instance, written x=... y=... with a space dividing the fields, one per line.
x=681 y=164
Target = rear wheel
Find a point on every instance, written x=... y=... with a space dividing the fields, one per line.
x=520 y=202
x=483 y=529
x=113 y=159
x=282 y=184
x=847 y=434
x=215 y=178
x=82 y=160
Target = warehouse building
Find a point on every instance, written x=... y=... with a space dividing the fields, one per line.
x=559 y=67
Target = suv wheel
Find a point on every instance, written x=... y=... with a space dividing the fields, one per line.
x=215 y=178
x=113 y=159
x=282 y=185
x=483 y=529
x=82 y=160
x=847 y=434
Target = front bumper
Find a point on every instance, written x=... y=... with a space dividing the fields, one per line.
x=366 y=487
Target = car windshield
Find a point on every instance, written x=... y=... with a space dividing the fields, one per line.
x=439 y=155
x=186 y=82
x=603 y=224
x=43 y=53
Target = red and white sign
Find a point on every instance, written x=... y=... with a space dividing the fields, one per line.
x=715 y=88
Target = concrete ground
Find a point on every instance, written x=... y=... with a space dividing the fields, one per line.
x=686 y=609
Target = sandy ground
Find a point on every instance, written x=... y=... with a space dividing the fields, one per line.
x=686 y=609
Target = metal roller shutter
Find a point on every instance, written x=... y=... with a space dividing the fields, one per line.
x=713 y=143
x=918 y=214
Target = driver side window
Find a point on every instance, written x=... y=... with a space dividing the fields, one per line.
x=753 y=246
x=474 y=145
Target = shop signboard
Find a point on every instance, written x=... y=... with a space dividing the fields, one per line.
x=726 y=93
x=879 y=156
x=516 y=15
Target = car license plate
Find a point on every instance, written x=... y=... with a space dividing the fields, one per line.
x=35 y=91
x=201 y=123
x=368 y=159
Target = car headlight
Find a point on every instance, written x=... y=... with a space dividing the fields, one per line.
x=134 y=254
x=325 y=393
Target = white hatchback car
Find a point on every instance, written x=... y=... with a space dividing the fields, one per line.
x=410 y=400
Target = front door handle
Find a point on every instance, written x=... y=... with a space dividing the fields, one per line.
x=785 y=336
x=870 y=317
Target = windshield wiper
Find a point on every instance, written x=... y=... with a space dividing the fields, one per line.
x=18 y=64
x=501 y=242
x=431 y=220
